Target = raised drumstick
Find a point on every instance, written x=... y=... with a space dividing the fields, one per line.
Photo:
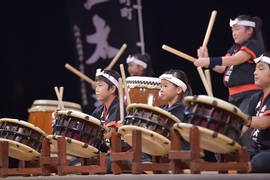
x=125 y=83
x=81 y=75
x=178 y=53
x=205 y=42
x=116 y=57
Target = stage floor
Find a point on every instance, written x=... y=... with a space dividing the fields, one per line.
x=206 y=175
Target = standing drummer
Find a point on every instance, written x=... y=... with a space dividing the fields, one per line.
x=238 y=65
x=140 y=65
x=259 y=110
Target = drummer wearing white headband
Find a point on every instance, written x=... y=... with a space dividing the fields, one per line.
x=238 y=65
x=174 y=87
x=259 y=111
x=140 y=65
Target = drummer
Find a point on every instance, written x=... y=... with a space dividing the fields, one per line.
x=109 y=112
x=140 y=65
x=259 y=110
x=174 y=87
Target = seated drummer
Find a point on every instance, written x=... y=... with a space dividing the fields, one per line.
x=174 y=87
x=109 y=111
x=140 y=65
x=259 y=110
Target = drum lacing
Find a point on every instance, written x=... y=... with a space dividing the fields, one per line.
x=143 y=82
x=149 y=120
x=225 y=122
x=22 y=135
x=79 y=129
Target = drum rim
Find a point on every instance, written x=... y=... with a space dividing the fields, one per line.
x=53 y=139
x=25 y=123
x=153 y=108
x=81 y=115
x=146 y=131
x=34 y=154
x=52 y=104
x=221 y=104
x=180 y=126
x=140 y=78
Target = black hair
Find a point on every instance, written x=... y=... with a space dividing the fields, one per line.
x=112 y=73
x=257 y=32
x=147 y=59
x=183 y=77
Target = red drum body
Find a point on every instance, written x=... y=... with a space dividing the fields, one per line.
x=42 y=111
x=220 y=123
x=155 y=124
x=84 y=133
x=25 y=139
x=144 y=90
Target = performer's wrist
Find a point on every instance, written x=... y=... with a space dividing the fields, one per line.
x=215 y=61
x=249 y=121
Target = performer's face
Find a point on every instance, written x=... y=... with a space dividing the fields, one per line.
x=262 y=75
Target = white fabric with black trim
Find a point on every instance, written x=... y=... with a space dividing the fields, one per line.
x=136 y=61
x=109 y=77
x=174 y=80
x=242 y=22
x=262 y=58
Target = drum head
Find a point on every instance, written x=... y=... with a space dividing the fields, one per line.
x=152 y=142
x=20 y=151
x=217 y=143
x=74 y=147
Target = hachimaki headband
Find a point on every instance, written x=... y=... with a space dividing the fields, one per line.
x=242 y=22
x=109 y=77
x=174 y=80
x=136 y=61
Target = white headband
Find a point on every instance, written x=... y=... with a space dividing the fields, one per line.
x=174 y=80
x=242 y=22
x=136 y=61
x=109 y=77
x=262 y=58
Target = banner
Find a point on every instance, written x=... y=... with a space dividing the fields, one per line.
x=99 y=29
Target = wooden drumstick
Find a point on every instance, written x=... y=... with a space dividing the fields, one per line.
x=60 y=104
x=61 y=93
x=124 y=46
x=208 y=79
x=208 y=90
x=209 y=29
x=78 y=73
x=121 y=100
x=178 y=53
x=125 y=83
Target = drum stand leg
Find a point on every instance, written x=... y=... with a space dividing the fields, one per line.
x=61 y=162
x=28 y=167
x=238 y=162
x=137 y=166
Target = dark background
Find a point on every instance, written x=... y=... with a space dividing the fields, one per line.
x=36 y=44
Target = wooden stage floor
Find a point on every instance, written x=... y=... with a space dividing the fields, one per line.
x=207 y=176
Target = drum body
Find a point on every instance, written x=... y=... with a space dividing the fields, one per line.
x=42 y=111
x=84 y=133
x=25 y=139
x=217 y=120
x=144 y=90
x=154 y=123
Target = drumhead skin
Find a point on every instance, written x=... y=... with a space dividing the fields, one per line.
x=74 y=147
x=17 y=149
x=217 y=103
x=209 y=140
x=42 y=105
